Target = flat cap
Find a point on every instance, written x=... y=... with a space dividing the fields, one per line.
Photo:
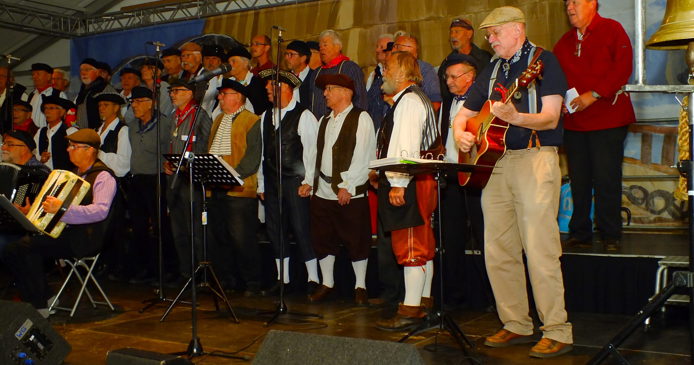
x=90 y=61
x=284 y=76
x=141 y=92
x=104 y=66
x=110 y=96
x=313 y=45
x=240 y=52
x=457 y=58
x=234 y=85
x=335 y=79
x=87 y=136
x=23 y=136
x=300 y=47
x=56 y=100
x=171 y=52
x=503 y=15
x=462 y=23
x=181 y=83
x=25 y=104
x=130 y=70
x=42 y=67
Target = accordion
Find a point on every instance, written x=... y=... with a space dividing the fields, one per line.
x=63 y=185
x=17 y=183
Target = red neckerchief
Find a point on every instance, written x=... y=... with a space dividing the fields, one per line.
x=24 y=126
x=336 y=61
x=181 y=115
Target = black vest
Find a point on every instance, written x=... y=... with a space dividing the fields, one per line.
x=305 y=89
x=59 y=155
x=292 y=149
x=342 y=150
x=87 y=239
x=377 y=106
x=110 y=144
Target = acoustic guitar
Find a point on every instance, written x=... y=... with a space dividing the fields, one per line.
x=490 y=132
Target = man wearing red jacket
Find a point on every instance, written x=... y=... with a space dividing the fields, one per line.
x=596 y=56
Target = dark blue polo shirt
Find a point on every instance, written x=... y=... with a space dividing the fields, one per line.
x=553 y=82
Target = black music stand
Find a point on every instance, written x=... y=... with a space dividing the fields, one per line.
x=440 y=318
x=209 y=169
x=10 y=216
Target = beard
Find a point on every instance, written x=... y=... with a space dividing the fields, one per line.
x=388 y=86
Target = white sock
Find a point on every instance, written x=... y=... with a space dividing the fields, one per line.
x=415 y=277
x=429 y=270
x=360 y=273
x=286 y=269
x=327 y=264
x=312 y=270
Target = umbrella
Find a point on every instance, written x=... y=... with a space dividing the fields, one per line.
x=222 y=40
x=136 y=62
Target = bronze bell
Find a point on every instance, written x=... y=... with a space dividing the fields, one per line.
x=677 y=29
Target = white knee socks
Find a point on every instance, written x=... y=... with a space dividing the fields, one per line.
x=360 y=273
x=327 y=265
x=286 y=269
x=415 y=276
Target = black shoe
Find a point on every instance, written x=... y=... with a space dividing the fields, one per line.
x=274 y=290
x=311 y=287
x=143 y=277
x=611 y=244
x=574 y=242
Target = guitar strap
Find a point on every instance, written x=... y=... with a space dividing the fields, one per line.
x=534 y=55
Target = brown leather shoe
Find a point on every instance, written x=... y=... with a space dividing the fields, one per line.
x=361 y=297
x=574 y=242
x=547 y=348
x=505 y=338
x=320 y=294
x=405 y=318
x=427 y=304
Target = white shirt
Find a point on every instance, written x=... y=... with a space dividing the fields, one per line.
x=409 y=119
x=36 y=101
x=364 y=151
x=451 y=148
x=119 y=161
x=249 y=106
x=49 y=133
x=307 y=130
x=302 y=76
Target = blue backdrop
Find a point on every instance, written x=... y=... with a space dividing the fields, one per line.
x=114 y=47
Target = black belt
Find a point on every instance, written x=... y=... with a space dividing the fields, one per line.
x=326 y=178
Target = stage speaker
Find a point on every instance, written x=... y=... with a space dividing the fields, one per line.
x=27 y=337
x=282 y=347
x=130 y=356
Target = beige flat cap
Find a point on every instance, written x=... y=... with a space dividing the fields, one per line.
x=503 y=15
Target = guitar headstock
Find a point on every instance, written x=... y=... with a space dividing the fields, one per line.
x=531 y=73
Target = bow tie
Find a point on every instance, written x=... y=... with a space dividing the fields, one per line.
x=460 y=97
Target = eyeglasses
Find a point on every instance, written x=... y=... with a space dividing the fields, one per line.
x=259 y=44
x=228 y=93
x=13 y=145
x=496 y=32
x=451 y=77
x=73 y=146
x=291 y=54
x=176 y=91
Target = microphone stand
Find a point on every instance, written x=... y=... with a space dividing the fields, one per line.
x=156 y=113
x=281 y=305
x=9 y=93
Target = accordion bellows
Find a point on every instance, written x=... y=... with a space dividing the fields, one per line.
x=63 y=185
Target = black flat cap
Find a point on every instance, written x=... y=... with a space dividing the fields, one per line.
x=335 y=79
x=457 y=58
x=90 y=61
x=313 y=45
x=23 y=136
x=130 y=70
x=104 y=66
x=234 y=85
x=300 y=47
x=110 y=96
x=239 y=51
x=141 y=92
x=24 y=104
x=42 y=67
x=56 y=100
x=171 y=52
x=181 y=83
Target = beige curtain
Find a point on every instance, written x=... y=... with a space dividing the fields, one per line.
x=360 y=22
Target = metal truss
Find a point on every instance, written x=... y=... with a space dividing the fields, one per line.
x=68 y=26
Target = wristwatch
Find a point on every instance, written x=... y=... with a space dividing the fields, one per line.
x=595 y=95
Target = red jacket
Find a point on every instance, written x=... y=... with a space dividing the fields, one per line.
x=604 y=66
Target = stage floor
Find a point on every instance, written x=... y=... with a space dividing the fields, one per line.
x=92 y=333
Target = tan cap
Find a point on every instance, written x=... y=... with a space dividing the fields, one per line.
x=503 y=15
x=86 y=136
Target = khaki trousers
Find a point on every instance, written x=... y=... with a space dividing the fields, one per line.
x=520 y=205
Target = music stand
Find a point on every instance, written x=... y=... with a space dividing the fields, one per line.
x=438 y=169
x=209 y=169
x=10 y=216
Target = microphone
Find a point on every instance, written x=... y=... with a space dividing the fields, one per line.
x=11 y=58
x=278 y=28
x=223 y=68
x=155 y=43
